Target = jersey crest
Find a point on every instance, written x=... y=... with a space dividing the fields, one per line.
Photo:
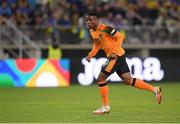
x=100 y=36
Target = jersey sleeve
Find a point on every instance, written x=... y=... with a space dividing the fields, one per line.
x=119 y=39
x=94 y=50
x=109 y=30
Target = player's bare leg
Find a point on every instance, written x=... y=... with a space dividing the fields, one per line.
x=126 y=77
x=101 y=81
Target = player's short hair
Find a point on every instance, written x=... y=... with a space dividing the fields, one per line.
x=92 y=13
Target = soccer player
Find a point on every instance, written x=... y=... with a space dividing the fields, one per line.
x=108 y=39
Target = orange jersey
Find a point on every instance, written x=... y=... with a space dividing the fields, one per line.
x=108 y=39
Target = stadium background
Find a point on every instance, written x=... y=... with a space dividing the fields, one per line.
x=35 y=33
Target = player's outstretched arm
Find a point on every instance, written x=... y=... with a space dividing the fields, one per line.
x=93 y=52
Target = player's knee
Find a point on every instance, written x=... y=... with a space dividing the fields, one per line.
x=127 y=80
x=100 y=81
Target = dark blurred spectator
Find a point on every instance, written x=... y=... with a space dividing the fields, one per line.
x=14 y=7
x=23 y=7
x=21 y=19
x=119 y=22
x=133 y=17
x=32 y=4
x=65 y=21
x=1 y=21
x=9 y=2
x=120 y=8
x=4 y=9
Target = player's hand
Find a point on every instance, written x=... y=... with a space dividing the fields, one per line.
x=91 y=30
x=113 y=56
x=88 y=58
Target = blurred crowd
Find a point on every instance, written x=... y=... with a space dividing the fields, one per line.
x=64 y=18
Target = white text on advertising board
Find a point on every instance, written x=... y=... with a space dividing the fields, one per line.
x=148 y=69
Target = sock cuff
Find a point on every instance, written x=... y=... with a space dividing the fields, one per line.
x=103 y=84
x=133 y=82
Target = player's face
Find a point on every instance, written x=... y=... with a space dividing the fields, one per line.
x=91 y=22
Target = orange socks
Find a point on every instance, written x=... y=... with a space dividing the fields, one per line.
x=142 y=85
x=136 y=83
x=104 y=94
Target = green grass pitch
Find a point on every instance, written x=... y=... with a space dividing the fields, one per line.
x=75 y=104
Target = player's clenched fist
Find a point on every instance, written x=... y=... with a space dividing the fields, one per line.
x=88 y=58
